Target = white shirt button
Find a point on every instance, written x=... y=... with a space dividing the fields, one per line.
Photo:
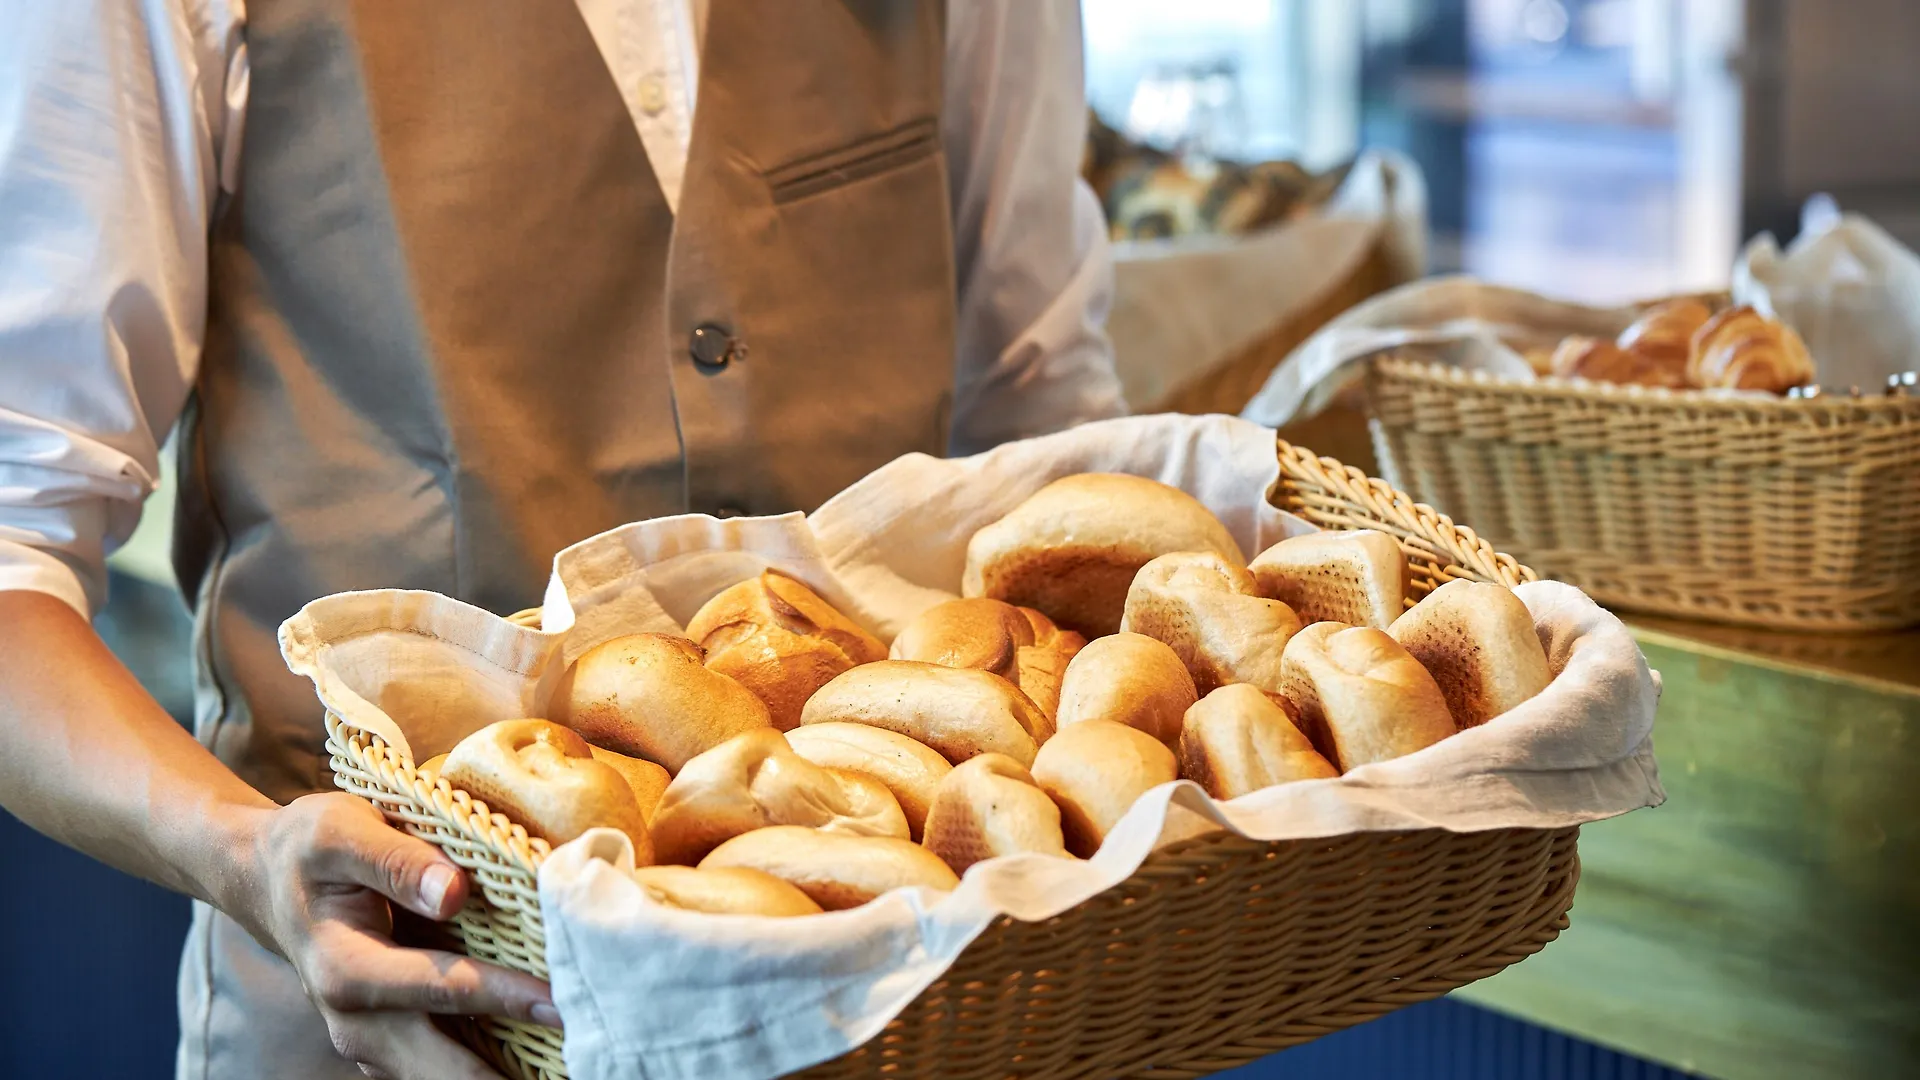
x=653 y=95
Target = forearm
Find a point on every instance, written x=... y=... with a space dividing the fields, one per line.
x=90 y=759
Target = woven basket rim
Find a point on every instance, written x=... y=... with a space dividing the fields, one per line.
x=1865 y=407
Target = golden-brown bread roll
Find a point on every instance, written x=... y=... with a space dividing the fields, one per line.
x=959 y=712
x=1239 y=739
x=835 y=870
x=1663 y=335
x=1477 y=641
x=910 y=769
x=648 y=780
x=1071 y=549
x=777 y=638
x=651 y=696
x=1129 y=679
x=755 y=780
x=1358 y=576
x=989 y=806
x=432 y=767
x=1362 y=697
x=1018 y=644
x=1600 y=360
x=544 y=779
x=1211 y=613
x=1095 y=770
x=1742 y=349
x=732 y=890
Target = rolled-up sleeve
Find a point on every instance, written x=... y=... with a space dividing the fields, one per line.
x=113 y=116
x=1034 y=273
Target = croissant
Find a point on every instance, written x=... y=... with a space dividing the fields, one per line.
x=1744 y=350
x=1664 y=333
x=1600 y=360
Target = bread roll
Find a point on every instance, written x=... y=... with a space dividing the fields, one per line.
x=1663 y=335
x=432 y=767
x=990 y=806
x=1239 y=739
x=1742 y=349
x=1599 y=360
x=1359 y=577
x=1018 y=644
x=1362 y=698
x=1477 y=641
x=835 y=870
x=733 y=890
x=1212 y=615
x=1095 y=770
x=959 y=712
x=910 y=769
x=1129 y=679
x=650 y=696
x=755 y=780
x=1072 y=548
x=544 y=779
x=778 y=639
x=648 y=781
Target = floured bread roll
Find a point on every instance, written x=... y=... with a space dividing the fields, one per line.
x=1240 y=739
x=1744 y=350
x=910 y=769
x=544 y=779
x=1477 y=641
x=648 y=781
x=650 y=696
x=732 y=890
x=989 y=806
x=1129 y=679
x=755 y=780
x=959 y=712
x=1358 y=577
x=835 y=870
x=1362 y=698
x=1095 y=770
x=1072 y=548
x=778 y=639
x=1018 y=644
x=1212 y=615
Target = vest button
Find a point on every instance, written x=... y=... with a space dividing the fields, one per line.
x=712 y=348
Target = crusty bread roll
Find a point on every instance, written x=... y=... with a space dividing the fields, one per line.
x=1071 y=549
x=988 y=806
x=544 y=779
x=1212 y=615
x=650 y=696
x=432 y=767
x=1600 y=360
x=959 y=712
x=731 y=890
x=1477 y=641
x=648 y=780
x=755 y=780
x=1663 y=335
x=1362 y=698
x=1095 y=770
x=1129 y=679
x=1239 y=739
x=835 y=870
x=1018 y=644
x=778 y=639
x=1744 y=350
x=1359 y=577
x=910 y=769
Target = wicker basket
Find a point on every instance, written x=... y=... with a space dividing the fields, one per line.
x=1217 y=951
x=1777 y=513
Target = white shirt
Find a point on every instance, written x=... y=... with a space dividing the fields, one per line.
x=122 y=123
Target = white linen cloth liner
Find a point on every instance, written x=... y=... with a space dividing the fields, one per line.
x=647 y=991
x=1850 y=289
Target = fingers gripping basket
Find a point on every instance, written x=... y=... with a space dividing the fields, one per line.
x=1218 y=951
x=1776 y=513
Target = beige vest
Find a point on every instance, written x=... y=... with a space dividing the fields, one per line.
x=455 y=328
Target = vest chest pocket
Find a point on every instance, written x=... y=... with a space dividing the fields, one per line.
x=859 y=160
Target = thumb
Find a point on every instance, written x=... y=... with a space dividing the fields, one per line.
x=411 y=872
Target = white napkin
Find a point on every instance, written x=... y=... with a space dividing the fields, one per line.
x=1849 y=288
x=650 y=992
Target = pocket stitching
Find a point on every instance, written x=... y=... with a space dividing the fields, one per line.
x=860 y=160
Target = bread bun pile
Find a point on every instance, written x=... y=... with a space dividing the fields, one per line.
x=780 y=760
x=1681 y=344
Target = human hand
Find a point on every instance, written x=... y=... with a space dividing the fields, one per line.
x=326 y=869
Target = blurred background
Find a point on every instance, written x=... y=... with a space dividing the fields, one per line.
x=1600 y=150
